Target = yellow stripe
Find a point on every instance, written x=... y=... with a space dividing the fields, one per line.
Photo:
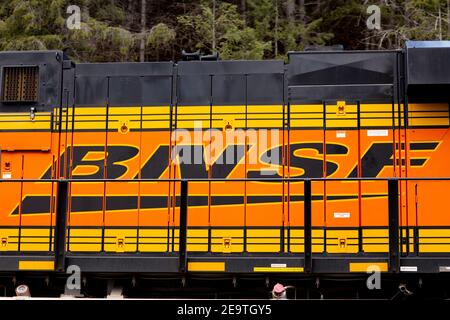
x=436 y=248
x=9 y=239
x=206 y=266
x=156 y=117
x=345 y=122
x=192 y=116
x=278 y=269
x=429 y=121
x=435 y=233
x=377 y=107
x=41 y=232
x=300 y=112
x=382 y=233
x=412 y=107
x=227 y=240
x=257 y=116
x=275 y=109
x=342 y=241
x=366 y=266
x=430 y=114
x=265 y=116
x=371 y=115
x=36 y=265
x=153 y=240
x=120 y=240
x=306 y=108
x=434 y=240
x=197 y=240
x=85 y=240
x=18 y=121
x=232 y=110
x=263 y=240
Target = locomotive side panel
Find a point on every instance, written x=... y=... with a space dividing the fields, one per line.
x=30 y=88
x=324 y=115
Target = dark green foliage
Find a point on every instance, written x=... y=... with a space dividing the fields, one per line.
x=111 y=30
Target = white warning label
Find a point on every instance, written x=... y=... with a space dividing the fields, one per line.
x=377 y=133
x=342 y=215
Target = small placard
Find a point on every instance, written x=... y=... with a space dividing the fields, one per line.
x=408 y=268
x=278 y=265
x=377 y=133
x=444 y=269
x=341 y=134
x=6 y=175
x=342 y=215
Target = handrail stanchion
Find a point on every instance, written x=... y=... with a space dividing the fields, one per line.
x=307 y=226
x=60 y=226
x=183 y=226
x=393 y=225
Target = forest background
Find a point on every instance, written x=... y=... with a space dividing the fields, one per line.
x=158 y=30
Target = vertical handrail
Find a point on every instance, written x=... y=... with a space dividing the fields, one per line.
x=393 y=225
x=183 y=226
x=307 y=226
x=359 y=174
x=60 y=227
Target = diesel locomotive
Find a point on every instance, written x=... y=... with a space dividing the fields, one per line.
x=333 y=163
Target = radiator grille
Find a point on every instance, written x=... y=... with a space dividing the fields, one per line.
x=20 y=84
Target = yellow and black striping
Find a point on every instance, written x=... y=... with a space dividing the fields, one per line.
x=300 y=116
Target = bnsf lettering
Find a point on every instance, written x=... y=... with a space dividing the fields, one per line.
x=312 y=168
x=381 y=155
x=189 y=166
x=88 y=162
x=221 y=168
x=374 y=160
x=115 y=156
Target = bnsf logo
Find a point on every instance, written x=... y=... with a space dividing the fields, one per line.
x=88 y=162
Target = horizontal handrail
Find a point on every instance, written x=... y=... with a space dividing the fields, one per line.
x=234 y=179
x=62 y=196
x=363 y=85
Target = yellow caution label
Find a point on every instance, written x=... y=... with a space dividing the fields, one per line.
x=278 y=269
x=206 y=266
x=36 y=265
x=368 y=266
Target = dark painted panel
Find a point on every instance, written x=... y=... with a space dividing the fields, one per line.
x=228 y=89
x=265 y=89
x=428 y=74
x=318 y=76
x=156 y=90
x=428 y=66
x=50 y=69
x=125 y=69
x=125 y=91
x=341 y=68
x=194 y=90
x=230 y=67
x=133 y=91
x=91 y=91
x=68 y=87
x=317 y=94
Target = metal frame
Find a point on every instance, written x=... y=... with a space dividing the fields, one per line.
x=177 y=262
x=61 y=222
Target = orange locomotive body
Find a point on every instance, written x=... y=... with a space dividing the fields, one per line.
x=245 y=135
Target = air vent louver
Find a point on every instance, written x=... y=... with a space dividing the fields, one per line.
x=20 y=84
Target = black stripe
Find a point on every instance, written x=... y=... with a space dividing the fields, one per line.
x=88 y=203
x=41 y=204
x=423 y=145
x=417 y=162
x=34 y=204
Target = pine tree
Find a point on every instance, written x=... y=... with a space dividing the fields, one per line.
x=120 y=30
